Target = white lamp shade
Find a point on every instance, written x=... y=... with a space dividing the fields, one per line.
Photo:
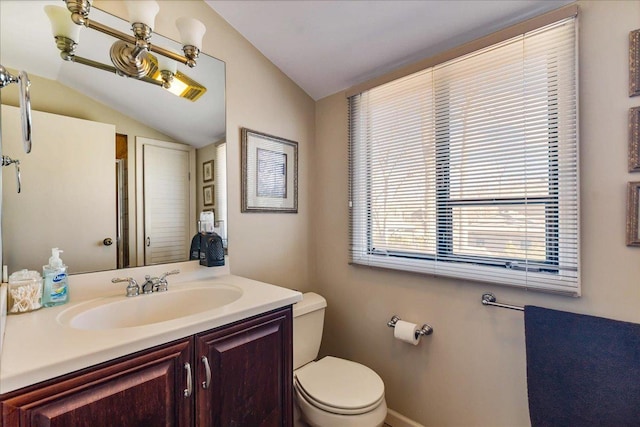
x=191 y=31
x=166 y=64
x=142 y=11
x=61 y=23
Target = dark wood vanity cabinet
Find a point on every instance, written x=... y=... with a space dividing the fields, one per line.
x=241 y=375
x=251 y=373
x=140 y=390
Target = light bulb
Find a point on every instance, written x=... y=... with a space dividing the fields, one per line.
x=191 y=31
x=61 y=23
x=142 y=11
x=166 y=64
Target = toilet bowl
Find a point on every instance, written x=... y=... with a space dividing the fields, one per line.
x=330 y=392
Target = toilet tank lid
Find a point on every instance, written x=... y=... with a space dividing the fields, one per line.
x=310 y=302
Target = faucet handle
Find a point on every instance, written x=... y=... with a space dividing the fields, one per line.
x=163 y=285
x=133 y=289
x=169 y=273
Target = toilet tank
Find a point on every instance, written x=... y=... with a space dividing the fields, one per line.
x=308 y=321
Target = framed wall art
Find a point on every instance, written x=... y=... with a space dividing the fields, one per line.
x=633 y=234
x=634 y=63
x=269 y=173
x=634 y=146
x=207 y=195
x=207 y=171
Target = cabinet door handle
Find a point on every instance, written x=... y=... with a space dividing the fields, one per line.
x=188 y=390
x=207 y=370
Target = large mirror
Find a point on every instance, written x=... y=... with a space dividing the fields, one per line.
x=120 y=169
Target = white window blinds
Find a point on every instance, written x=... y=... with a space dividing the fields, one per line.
x=469 y=169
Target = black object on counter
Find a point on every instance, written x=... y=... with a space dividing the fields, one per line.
x=208 y=248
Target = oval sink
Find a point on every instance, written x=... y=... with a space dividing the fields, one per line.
x=123 y=312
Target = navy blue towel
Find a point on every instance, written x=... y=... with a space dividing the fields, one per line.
x=581 y=370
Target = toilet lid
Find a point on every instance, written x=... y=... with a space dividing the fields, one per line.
x=340 y=386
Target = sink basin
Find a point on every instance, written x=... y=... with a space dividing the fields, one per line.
x=122 y=312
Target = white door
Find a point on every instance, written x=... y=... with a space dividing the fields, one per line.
x=78 y=203
x=168 y=205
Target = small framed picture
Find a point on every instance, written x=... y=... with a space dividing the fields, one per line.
x=207 y=195
x=269 y=173
x=207 y=171
x=634 y=63
x=634 y=143
x=633 y=199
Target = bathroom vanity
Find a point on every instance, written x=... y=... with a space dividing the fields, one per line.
x=230 y=365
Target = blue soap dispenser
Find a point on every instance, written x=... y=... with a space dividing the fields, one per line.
x=56 y=285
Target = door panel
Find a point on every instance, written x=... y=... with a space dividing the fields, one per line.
x=168 y=203
x=144 y=390
x=251 y=374
x=81 y=214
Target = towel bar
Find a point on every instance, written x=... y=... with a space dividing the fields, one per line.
x=490 y=299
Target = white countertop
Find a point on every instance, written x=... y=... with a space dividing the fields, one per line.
x=38 y=347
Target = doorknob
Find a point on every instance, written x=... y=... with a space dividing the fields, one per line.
x=107 y=241
x=148 y=241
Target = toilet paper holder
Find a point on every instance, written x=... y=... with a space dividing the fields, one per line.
x=423 y=331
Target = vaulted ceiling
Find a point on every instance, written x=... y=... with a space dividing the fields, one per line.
x=329 y=45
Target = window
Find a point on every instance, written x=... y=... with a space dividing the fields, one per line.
x=469 y=169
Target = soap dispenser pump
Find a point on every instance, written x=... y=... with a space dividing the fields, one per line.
x=56 y=285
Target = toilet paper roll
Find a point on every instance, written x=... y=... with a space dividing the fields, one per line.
x=406 y=331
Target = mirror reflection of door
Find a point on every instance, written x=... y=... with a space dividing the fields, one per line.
x=169 y=201
x=80 y=212
x=122 y=200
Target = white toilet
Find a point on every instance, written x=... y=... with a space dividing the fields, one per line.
x=330 y=392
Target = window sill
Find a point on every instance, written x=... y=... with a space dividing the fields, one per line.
x=568 y=284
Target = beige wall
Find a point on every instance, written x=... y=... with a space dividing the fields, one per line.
x=269 y=247
x=471 y=371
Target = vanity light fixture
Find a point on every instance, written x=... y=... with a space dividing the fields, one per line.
x=130 y=53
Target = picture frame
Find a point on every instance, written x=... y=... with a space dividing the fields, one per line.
x=207 y=171
x=269 y=173
x=634 y=63
x=634 y=139
x=207 y=195
x=633 y=199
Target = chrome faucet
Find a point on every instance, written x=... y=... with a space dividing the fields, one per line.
x=133 y=289
x=157 y=284
x=149 y=284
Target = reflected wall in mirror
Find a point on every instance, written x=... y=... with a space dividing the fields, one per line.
x=113 y=158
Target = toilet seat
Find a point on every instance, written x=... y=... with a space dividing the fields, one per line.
x=340 y=386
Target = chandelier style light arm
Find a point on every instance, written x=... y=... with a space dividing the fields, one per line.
x=177 y=57
x=111 y=69
x=67 y=49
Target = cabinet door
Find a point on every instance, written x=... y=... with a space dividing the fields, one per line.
x=251 y=373
x=141 y=390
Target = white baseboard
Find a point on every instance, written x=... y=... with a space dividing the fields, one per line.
x=395 y=419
